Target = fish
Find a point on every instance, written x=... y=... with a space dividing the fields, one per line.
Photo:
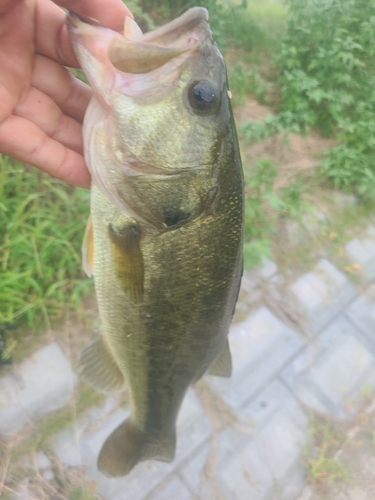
x=165 y=233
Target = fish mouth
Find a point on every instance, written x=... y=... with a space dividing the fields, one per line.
x=134 y=53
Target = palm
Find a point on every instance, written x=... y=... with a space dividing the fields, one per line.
x=41 y=104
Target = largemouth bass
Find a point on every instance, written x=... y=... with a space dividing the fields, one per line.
x=164 y=241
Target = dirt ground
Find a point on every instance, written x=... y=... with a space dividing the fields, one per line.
x=293 y=154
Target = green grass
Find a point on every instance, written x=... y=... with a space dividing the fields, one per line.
x=267 y=9
x=42 y=221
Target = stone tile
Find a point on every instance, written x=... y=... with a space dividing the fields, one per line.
x=257 y=458
x=193 y=429
x=91 y=445
x=274 y=398
x=320 y=295
x=291 y=487
x=361 y=251
x=200 y=472
x=268 y=268
x=362 y=312
x=41 y=384
x=42 y=461
x=22 y=492
x=44 y=466
x=335 y=372
x=68 y=443
x=247 y=282
x=66 y=446
x=313 y=222
x=266 y=467
x=344 y=200
x=260 y=347
x=174 y=490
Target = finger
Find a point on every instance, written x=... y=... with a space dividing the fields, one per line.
x=52 y=38
x=7 y=5
x=70 y=94
x=27 y=142
x=51 y=34
x=110 y=13
x=17 y=49
x=41 y=110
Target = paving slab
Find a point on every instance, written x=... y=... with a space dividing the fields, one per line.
x=200 y=473
x=260 y=347
x=257 y=458
x=335 y=373
x=361 y=252
x=68 y=443
x=357 y=457
x=76 y=447
x=362 y=312
x=318 y=296
x=267 y=269
x=44 y=466
x=270 y=465
x=174 y=490
x=22 y=492
x=42 y=383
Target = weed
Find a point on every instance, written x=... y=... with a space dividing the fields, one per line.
x=81 y=494
x=324 y=439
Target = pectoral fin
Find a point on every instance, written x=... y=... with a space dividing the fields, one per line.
x=222 y=366
x=88 y=249
x=128 y=260
x=99 y=369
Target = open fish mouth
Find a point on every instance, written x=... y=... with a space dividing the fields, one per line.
x=125 y=59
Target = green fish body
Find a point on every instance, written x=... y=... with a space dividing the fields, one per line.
x=165 y=238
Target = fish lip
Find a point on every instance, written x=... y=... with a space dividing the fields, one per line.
x=120 y=57
x=189 y=20
x=164 y=35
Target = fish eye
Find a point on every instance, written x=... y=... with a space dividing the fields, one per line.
x=202 y=97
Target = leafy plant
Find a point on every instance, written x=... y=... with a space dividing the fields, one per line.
x=243 y=81
x=265 y=207
x=328 y=82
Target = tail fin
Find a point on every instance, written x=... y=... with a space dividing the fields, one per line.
x=127 y=446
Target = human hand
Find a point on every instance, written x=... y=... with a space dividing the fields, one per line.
x=41 y=104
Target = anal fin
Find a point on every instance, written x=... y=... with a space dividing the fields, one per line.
x=98 y=368
x=222 y=366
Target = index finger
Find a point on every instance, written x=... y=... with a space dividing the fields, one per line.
x=52 y=39
x=108 y=13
